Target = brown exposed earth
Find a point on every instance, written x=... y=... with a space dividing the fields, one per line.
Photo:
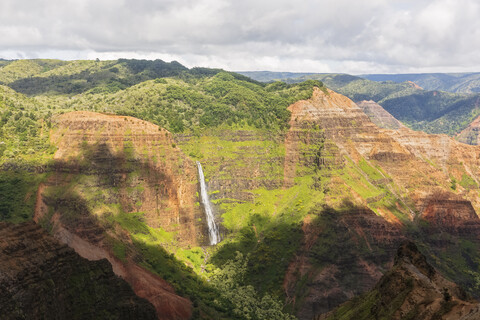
x=381 y=117
x=418 y=163
x=43 y=279
x=141 y=160
x=327 y=132
x=418 y=169
x=470 y=134
x=137 y=166
x=414 y=85
x=412 y=289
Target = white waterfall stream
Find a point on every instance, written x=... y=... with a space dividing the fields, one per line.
x=212 y=226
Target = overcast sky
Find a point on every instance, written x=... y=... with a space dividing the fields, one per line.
x=351 y=36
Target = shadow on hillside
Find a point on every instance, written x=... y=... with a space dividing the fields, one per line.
x=340 y=253
x=112 y=178
x=287 y=258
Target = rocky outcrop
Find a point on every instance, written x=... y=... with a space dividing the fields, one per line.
x=343 y=254
x=412 y=289
x=43 y=279
x=139 y=162
x=344 y=124
x=409 y=178
x=417 y=163
x=471 y=134
x=445 y=212
x=110 y=165
x=381 y=117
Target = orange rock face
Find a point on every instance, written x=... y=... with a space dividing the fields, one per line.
x=140 y=160
x=418 y=163
x=135 y=166
x=381 y=117
x=432 y=177
x=471 y=134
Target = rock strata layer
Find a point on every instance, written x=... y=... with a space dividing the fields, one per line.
x=43 y=279
x=412 y=289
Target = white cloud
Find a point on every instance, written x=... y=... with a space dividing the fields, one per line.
x=317 y=36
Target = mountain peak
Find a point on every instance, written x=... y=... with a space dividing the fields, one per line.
x=411 y=289
x=408 y=253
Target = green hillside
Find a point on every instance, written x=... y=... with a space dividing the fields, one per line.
x=429 y=111
x=340 y=214
x=450 y=82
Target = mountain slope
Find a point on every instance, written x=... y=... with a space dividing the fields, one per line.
x=379 y=116
x=411 y=289
x=40 y=77
x=42 y=279
x=395 y=173
x=312 y=200
x=470 y=134
x=450 y=82
x=429 y=110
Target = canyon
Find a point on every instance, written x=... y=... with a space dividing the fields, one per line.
x=318 y=209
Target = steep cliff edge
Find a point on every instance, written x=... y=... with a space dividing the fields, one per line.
x=411 y=165
x=119 y=185
x=136 y=164
x=381 y=117
x=470 y=134
x=412 y=289
x=417 y=186
x=319 y=209
x=43 y=279
x=343 y=254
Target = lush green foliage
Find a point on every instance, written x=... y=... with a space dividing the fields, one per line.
x=24 y=125
x=18 y=194
x=233 y=124
x=247 y=304
x=429 y=111
x=181 y=105
x=450 y=82
x=35 y=77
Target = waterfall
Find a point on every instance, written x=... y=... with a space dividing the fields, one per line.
x=212 y=226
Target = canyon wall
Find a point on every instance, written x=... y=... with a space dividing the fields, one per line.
x=43 y=279
x=115 y=180
x=407 y=178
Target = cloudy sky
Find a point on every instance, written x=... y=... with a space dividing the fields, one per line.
x=351 y=36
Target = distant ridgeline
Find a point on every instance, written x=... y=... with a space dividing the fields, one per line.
x=434 y=103
x=35 y=77
x=167 y=94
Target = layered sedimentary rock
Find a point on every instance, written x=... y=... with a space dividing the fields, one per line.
x=137 y=159
x=108 y=166
x=237 y=161
x=343 y=254
x=417 y=163
x=452 y=214
x=431 y=180
x=471 y=134
x=412 y=289
x=43 y=279
x=381 y=117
